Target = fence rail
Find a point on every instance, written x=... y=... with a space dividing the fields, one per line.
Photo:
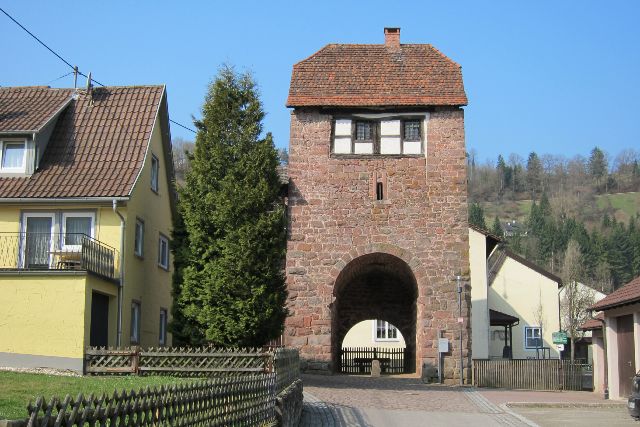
x=35 y=251
x=179 y=361
x=532 y=374
x=357 y=360
x=225 y=401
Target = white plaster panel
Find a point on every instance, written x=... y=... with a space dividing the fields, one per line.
x=343 y=127
x=363 y=148
x=390 y=145
x=390 y=127
x=342 y=145
x=412 y=147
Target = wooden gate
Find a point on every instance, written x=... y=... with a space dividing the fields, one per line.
x=357 y=360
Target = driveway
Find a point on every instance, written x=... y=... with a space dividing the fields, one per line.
x=343 y=400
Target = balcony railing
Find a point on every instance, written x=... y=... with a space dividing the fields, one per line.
x=57 y=251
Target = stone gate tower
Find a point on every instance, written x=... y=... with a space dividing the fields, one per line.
x=377 y=201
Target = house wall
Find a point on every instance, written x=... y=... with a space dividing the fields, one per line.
x=145 y=281
x=519 y=291
x=479 y=294
x=612 y=345
x=363 y=335
x=42 y=319
x=598 y=361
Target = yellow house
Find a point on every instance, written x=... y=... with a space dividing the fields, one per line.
x=515 y=304
x=86 y=204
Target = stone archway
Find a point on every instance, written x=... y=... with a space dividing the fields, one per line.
x=375 y=286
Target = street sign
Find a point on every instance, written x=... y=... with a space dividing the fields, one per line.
x=560 y=347
x=560 y=337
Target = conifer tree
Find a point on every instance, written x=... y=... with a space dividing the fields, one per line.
x=497 y=227
x=233 y=291
x=476 y=216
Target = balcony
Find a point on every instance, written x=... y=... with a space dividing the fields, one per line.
x=58 y=252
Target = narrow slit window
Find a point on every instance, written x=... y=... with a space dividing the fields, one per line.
x=379 y=191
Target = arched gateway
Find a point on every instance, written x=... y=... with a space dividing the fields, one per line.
x=377 y=202
x=375 y=286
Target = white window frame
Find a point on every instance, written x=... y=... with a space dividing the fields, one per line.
x=138 y=240
x=23 y=243
x=164 y=321
x=155 y=173
x=526 y=337
x=136 y=322
x=163 y=263
x=21 y=169
x=386 y=329
x=66 y=215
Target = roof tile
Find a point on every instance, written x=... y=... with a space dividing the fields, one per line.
x=97 y=147
x=350 y=75
x=627 y=294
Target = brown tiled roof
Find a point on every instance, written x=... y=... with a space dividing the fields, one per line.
x=28 y=109
x=357 y=75
x=97 y=147
x=629 y=293
x=593 y=323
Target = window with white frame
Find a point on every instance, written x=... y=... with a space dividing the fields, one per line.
x=155 y=172
x=163 y=252
x=532 y=337
x=13 y=155
x=139 y=238
x=75 y=226
x=386 y=135
x=162 y=337
x=135 y=322
x=385 y=331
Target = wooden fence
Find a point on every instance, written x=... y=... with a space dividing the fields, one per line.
x=182 y=361
x=247 y=400
x=532 y=374
x=357 y=360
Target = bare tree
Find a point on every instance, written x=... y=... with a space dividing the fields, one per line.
x=576 y=298
x=181 y=150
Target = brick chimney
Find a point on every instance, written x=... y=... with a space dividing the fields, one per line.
x=392 y=37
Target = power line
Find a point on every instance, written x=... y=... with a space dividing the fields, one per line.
x=47 y=47
x=182 y=126
x=61 y=77
x=75 y=69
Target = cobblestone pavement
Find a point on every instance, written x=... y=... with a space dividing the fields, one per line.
x=372 y=402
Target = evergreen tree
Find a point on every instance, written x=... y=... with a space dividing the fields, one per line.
x=476 y=216
x=534 y=174
x=233 y=289
x=497 y=227
x=501 y=169
x=598 y=167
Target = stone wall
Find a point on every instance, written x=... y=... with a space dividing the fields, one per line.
x=334 y=218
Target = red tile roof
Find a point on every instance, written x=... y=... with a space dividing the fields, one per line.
x=28 y=109
x=97 y=147
x=593 y=323
x=356 y=75
x=629 y=293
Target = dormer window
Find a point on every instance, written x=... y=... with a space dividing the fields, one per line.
x=379 y=134
x=13 y=156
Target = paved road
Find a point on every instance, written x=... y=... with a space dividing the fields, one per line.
x=407 y=402
x=372 y=402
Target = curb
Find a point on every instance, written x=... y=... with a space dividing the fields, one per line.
x=564 y=405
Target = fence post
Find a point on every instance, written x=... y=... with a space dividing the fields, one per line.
x=135 y=359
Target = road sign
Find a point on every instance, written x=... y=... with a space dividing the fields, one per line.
x=560 y=337
x=560 y=347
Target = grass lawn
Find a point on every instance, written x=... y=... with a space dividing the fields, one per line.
x=17 y=389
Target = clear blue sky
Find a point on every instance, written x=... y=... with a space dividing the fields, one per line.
x=554 y=77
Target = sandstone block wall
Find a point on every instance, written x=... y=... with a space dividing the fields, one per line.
x=334 y=219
